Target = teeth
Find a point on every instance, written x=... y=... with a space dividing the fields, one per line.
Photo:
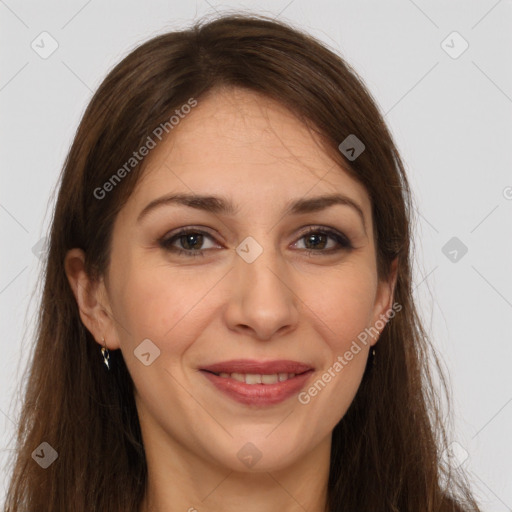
x=269 y=379
x=252 y=378
x=255 y=378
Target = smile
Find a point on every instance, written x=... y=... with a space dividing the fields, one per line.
x=256 y=383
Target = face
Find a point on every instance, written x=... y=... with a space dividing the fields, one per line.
x=273 y=286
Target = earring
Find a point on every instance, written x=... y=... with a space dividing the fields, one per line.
x=106 y=355
x=373 y=357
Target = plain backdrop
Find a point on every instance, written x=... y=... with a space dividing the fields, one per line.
x=447 y=98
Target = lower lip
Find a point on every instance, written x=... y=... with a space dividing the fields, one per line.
x=258 y=394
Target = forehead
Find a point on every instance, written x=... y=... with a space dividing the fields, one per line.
x=240 y=144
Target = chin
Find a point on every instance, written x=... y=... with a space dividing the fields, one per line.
x=260 y=453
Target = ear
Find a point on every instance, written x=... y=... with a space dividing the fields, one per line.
x=92 y=299
x=384 y=299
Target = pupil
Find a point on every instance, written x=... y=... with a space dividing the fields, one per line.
x=191 y=238
x=312 y=237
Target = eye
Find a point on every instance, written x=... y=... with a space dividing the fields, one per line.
x=317 y=239
x=191 y=241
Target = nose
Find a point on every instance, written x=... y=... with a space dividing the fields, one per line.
x=262 y=302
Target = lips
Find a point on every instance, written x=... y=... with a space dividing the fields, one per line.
x=258 y=383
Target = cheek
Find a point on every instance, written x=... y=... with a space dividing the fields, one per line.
x=345 y=310
x=344 y=304
x=166 y=308
x=155 y=302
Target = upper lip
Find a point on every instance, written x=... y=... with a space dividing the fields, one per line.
x=258 y=367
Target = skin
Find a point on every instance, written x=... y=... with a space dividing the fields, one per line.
x=200 y=310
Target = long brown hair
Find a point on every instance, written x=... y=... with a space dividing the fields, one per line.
x=386 y=450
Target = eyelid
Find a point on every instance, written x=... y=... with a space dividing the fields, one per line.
x=175 y=234
x=343 y=242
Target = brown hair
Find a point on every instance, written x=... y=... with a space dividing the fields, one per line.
x=386 y=450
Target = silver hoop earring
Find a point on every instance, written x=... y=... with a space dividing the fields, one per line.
x=106 y=355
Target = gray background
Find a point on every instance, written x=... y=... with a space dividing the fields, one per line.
x=450 y=117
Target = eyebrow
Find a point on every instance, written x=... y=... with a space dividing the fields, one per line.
x=220 y=205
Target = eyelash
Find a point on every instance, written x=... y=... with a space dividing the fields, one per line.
x=341 y=239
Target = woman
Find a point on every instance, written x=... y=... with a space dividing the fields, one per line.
x=227 y=318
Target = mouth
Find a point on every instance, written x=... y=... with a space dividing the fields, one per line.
x=256 y=378
x=258 y=383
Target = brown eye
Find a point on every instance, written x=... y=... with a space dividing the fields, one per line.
x=317 y=241
x=190 y=242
